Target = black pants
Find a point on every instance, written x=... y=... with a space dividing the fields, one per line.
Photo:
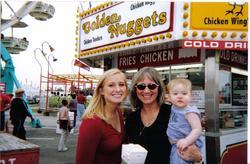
x=19 y=130
x=2 y=121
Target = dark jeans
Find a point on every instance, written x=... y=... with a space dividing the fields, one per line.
x=19 y=130
x=2 y=121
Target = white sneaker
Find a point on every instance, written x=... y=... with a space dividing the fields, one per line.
x=62 y=150
x=65 y=149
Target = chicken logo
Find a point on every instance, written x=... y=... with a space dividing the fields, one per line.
x=237 y=8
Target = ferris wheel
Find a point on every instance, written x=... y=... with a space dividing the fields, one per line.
x=37 y=9
x=13 y=45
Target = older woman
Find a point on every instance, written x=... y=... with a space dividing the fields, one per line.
x=101 y=132
x=148 y=124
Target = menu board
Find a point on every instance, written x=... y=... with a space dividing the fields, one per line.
x=239 y=90
x=198 y=98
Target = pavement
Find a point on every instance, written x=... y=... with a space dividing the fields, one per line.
x=47 y=138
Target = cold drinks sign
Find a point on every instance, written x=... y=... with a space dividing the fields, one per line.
x=215 y=44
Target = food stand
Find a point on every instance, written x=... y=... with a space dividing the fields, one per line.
x=205 y=42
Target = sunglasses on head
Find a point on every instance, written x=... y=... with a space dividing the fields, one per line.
x=142 y=86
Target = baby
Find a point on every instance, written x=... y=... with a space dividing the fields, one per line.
x=184 y=127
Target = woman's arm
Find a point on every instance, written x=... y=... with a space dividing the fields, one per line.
x=191 y=153
x=88 y=139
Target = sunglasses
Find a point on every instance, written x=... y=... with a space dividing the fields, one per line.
x=142 y=86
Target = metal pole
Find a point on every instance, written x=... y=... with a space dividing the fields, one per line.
x=40 y=92
x=47 y=92
x=91 y=85
x=48 y=76
x=40 y=85
x=52 y=81
x=78 y=92
x=65 y=88
x=212 y=106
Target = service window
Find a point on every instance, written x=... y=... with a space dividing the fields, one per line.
x=239 y=90
x=224 y=87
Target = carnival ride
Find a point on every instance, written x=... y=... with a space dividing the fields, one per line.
x=12 y=45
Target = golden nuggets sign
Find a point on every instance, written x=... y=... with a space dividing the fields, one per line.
x=123 y=22
x=219 y=16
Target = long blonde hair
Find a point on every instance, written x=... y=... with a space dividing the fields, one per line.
x=97 y=103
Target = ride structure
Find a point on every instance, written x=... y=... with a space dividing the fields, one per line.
x=12 y=45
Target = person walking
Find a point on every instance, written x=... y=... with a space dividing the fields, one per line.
x=64 y=123
x=4 y=105
x=73 y=107
x=18 y=113
x=7 y=115
x=81 y=100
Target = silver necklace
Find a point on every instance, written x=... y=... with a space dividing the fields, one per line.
x=142 y=129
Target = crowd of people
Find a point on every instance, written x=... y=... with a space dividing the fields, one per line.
x=164 y=122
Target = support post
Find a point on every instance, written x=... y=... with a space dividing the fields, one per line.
x=212 y=106
x=47 y=94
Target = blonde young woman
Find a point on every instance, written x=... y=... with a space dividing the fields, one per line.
x=101 y=132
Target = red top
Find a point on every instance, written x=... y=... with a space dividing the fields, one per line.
x=99 y=142
x=4 y=101
x=81 y=99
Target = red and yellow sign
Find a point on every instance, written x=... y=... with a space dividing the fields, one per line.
x=219 y=16
x=160 y=57
x=215 y=44
x=125 y=21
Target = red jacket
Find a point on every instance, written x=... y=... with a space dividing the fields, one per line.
x=99 y=143
x=4 y=101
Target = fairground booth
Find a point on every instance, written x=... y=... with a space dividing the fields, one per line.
x=206 y=42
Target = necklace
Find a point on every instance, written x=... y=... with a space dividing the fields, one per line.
x=144 y=126
x=142 y=129
x=147 y=120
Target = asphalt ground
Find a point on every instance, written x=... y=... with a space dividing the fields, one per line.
x=47 y=138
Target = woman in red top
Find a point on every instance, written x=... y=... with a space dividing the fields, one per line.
x=101 y=132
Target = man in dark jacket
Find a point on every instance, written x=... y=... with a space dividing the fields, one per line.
x=18 y=113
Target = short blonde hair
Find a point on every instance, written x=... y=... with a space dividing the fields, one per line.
x=97 y=103
x=185 y=82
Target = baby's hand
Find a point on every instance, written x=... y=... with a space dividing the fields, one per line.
x=182 y=144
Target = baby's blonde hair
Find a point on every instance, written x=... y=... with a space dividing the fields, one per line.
x=185 y=82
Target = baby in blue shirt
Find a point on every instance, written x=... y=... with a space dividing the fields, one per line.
x=184 y=127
